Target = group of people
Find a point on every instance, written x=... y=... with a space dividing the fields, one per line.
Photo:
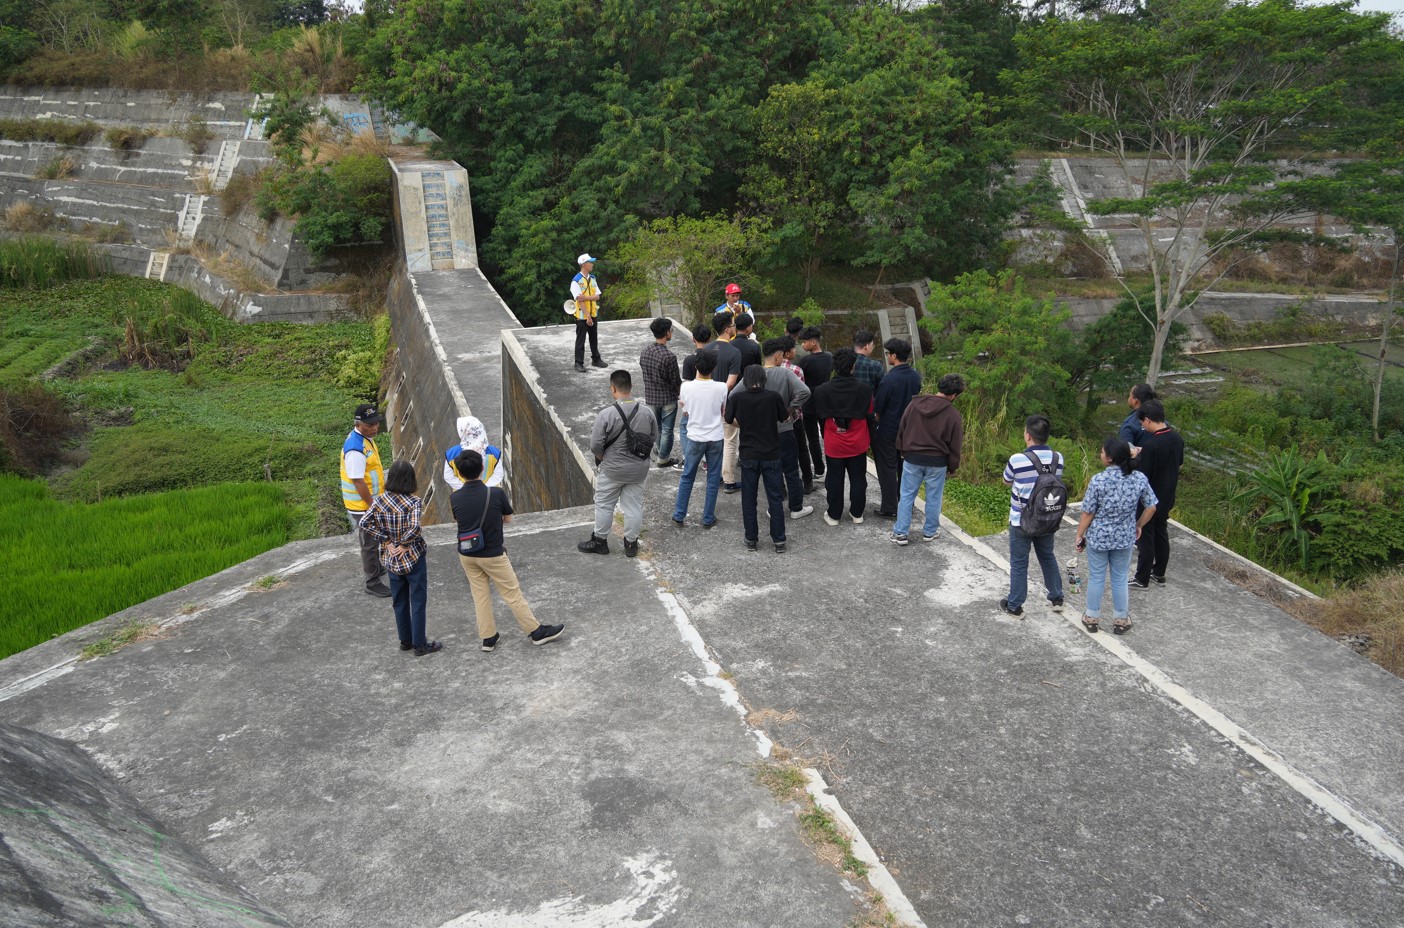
x=386 y=512
x=771 y=417
x=768 y=416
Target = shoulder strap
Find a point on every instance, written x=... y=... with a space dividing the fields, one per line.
x=619 y=409
x=1038 y=464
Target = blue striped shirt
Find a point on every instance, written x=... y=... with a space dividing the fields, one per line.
x=1019 y=473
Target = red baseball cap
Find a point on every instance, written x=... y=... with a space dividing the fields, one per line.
x=733 y=288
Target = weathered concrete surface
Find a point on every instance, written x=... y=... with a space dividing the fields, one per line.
x=599 y=780
x=77 y=851
x=1014 y=771
x=434 y=215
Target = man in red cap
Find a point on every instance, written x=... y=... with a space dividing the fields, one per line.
x=734 y=304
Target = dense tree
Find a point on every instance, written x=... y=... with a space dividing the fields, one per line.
x=686 y=261
x=1193 y=101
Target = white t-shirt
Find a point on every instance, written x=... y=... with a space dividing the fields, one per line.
x=703 y=400
x=355 y=465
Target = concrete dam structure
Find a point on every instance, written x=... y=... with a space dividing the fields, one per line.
x=711 y=715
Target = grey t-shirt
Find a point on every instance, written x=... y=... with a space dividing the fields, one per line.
x=791 y=389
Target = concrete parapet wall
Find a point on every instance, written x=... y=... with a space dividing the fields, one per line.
x=424 y=400
x=547 y=469
x=434 y=216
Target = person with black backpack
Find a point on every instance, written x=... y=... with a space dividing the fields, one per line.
x=1037 y=500
x=622 y=442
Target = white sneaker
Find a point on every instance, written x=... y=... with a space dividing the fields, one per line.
x=857 y=520
x=801 y=513
x=932 y=537
x=829 y=519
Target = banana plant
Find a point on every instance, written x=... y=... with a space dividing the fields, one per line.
x=1285 y=493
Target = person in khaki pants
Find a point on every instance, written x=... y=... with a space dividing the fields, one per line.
x=476 y=506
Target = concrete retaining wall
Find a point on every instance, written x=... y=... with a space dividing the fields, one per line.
x=80 y=852
x=225 y=113
x=1241 y=307
x=546 y=471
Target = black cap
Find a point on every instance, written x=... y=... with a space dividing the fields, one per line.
x=368 y=413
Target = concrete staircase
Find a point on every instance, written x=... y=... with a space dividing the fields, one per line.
x=225 y=163
x=436 y=218
x=156 y=266
x=190 y=216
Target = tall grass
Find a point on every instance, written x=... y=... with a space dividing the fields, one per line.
x=35 y=262
x=70 y=564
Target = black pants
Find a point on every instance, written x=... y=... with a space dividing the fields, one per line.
x=1154 y=547
x=806 y=466
x=789 y=469
x=856 y=468
x=581 y=332
x=813 y=425
x=889 y=470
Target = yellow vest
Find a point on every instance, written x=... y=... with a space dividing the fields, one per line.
x=588 y=287
x=375 y=472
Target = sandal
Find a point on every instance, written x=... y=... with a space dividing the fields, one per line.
x=1091 y=624
x=1121 y=626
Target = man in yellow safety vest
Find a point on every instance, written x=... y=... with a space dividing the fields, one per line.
x=362 y=479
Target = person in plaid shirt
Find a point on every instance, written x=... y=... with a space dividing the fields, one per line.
x=662 y=381
x=866 y=370
x=393 y=522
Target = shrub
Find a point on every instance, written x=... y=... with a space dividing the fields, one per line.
x=127 y=138
x=346 y=203
x=359 y=371
x=56 y=168
x=55 y=131
x=161 y=326
x=33 y=262
x=34 y=425
x=26 y=217
x=240 y=190
x=196 y=133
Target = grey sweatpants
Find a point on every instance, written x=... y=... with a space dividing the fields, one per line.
x=628 y=496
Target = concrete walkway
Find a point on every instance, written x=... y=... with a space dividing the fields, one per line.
x=1019 y=771
x=596 y=781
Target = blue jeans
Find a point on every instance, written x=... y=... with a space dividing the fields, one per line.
x=696 y=450
x=1119 y=560
x=752 y=473
x=409 y=594
x=1019 y=544
x=913 y=476
x=665 y=416
x=682 y=435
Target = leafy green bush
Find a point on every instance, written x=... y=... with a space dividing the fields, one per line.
x=359 y=371
x=35 y=262
x=57 y=131
x=347 y=203
x=75 y=563
x=979 y=508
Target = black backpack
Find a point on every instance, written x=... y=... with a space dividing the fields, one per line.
x=1042 y=513
x=636 y=443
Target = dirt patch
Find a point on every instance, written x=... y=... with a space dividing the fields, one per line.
x=1367 y=618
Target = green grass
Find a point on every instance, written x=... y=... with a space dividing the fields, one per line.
x=1273 y=367
x=71 y=564
x=980 y=509
x=33 y=262
x=184 y=489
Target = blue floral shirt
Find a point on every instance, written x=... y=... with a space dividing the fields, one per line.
x=1111 y=498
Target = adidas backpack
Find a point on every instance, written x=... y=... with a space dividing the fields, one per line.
x=1048 y=500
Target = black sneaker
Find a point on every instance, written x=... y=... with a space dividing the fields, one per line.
x=677 y=521
x=631 y=548
x=1139 y=584
x=594 y=545
x=547 y=633
x=406 y=646
x=779 y=547
x=490 y=643
x=378 y=589
x=1056 y=603
x=429 y=648
x=1158 y=581
x=580 y=368
x=711 y=524
x=809 y=487
x=1004 y=606
x=599 y=362
x=731 y=487
x=750 y=545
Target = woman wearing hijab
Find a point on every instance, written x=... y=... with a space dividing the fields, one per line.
x=472 y=436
